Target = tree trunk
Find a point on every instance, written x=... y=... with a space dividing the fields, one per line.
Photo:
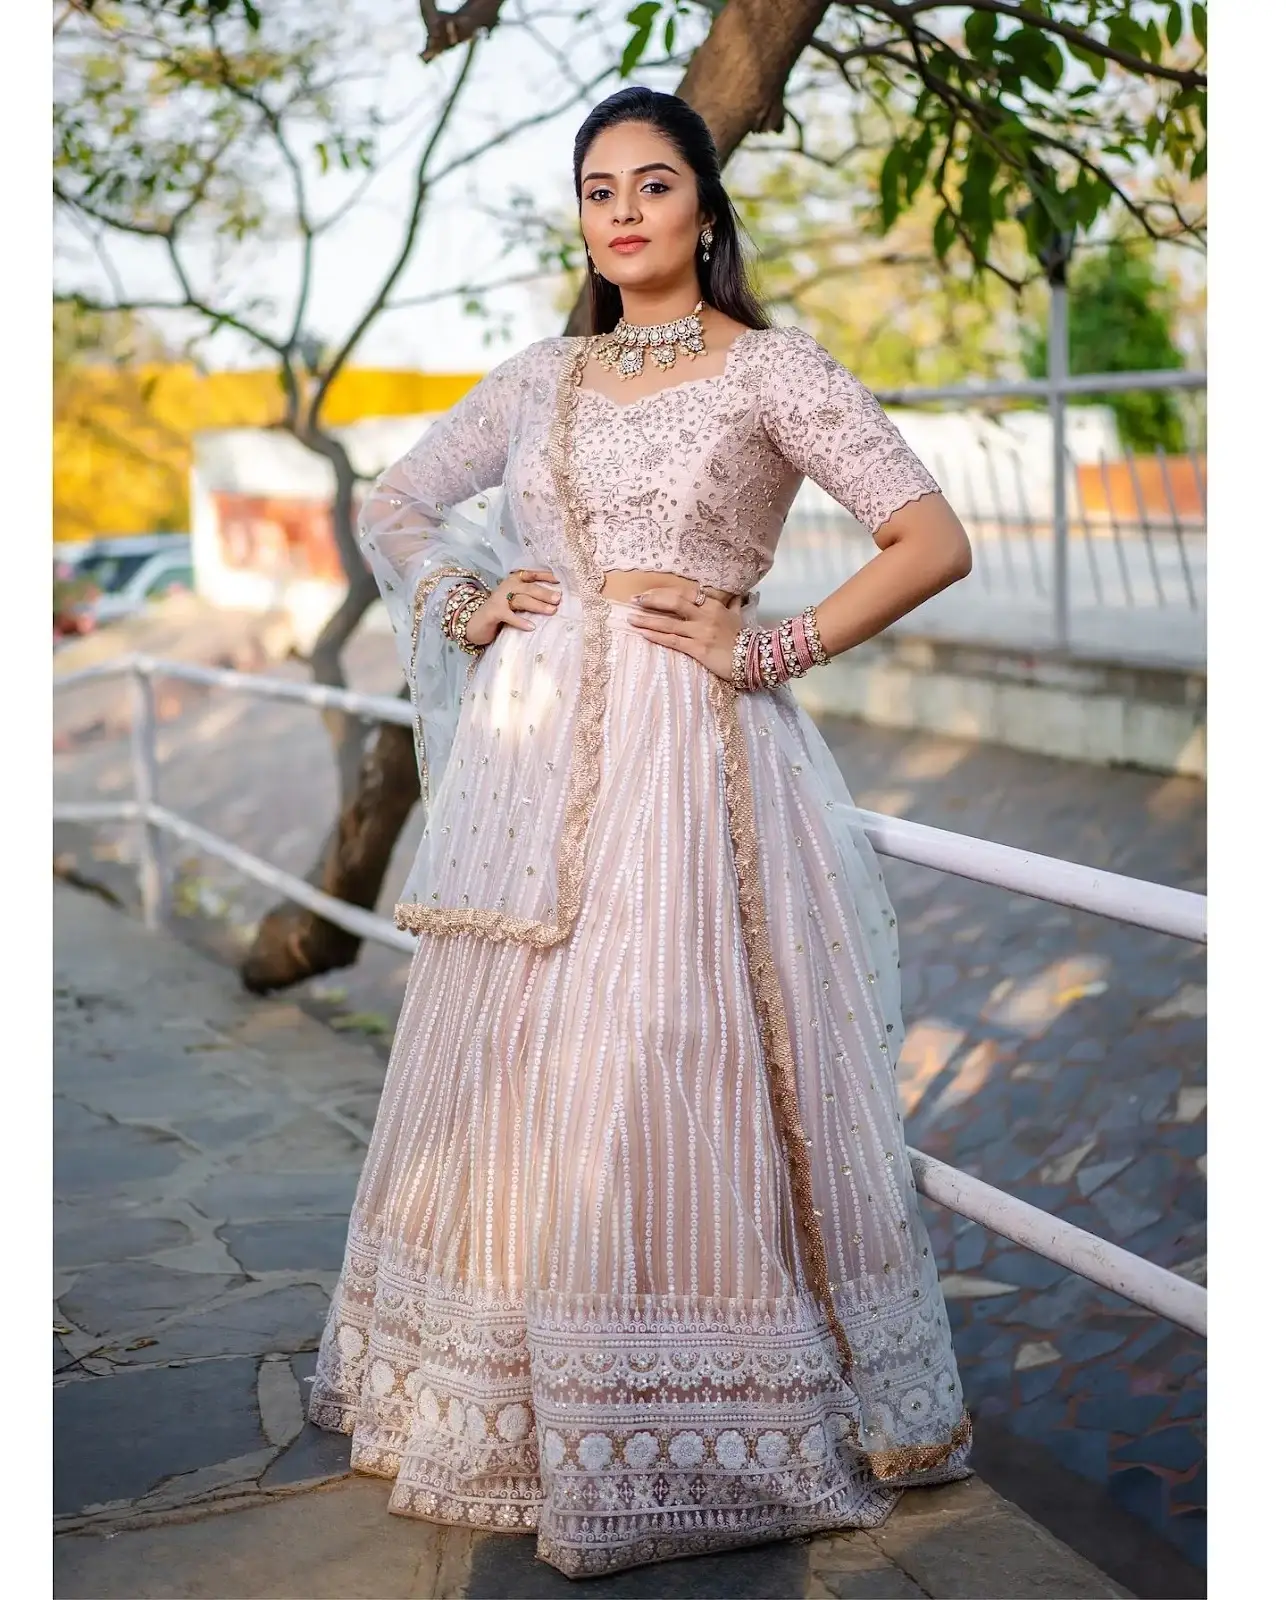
x=347 y=733
x=294 y=943
x=378 y=781
x=736 y=80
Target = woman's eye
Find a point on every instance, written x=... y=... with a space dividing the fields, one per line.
x=657 y=185
x=598 y=194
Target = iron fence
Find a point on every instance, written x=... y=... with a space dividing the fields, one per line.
x=1075 y=550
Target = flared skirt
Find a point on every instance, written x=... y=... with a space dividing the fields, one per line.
x=636 y=1259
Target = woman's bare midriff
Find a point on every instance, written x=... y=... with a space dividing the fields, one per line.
x=624 y=585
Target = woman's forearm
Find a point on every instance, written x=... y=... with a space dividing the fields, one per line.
x=924 y=550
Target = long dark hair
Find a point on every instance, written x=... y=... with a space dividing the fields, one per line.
x=725 y=283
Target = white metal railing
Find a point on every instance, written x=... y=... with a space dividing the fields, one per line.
x=1145 y=905
x=1067 y=551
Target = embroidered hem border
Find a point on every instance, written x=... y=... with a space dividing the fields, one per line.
x=495 y=1408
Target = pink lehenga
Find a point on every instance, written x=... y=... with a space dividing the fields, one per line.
x=636 y=1259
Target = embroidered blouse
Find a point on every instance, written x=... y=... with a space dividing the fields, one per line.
x=695 y=479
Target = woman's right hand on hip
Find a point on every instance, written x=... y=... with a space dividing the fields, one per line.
x=531 y=589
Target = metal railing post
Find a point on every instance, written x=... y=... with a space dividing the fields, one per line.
x=151 y=860
x=1058 y=373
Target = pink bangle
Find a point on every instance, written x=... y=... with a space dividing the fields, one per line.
x=757 y=652
x=800 y=641
x=752 y=661
x=779 y=655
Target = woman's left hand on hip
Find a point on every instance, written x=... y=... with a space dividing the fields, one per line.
x=706 y=632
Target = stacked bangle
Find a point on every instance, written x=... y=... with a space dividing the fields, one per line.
x=462 y=600
x=764 y=657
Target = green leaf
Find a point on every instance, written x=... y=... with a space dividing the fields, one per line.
x=890 y=187
x=1124 y=33
x=1198 y=168
x=976 y=213
x=944 y=231
x=671 y=28
x=1174 y=22
x=980 y=34
x=252 y=15
x=643 y=18
x=915 y=164
x=1035 y=56
x=323 y=156
x=1199 y=24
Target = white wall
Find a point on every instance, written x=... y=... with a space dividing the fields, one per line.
x=955 y=445
x=259 y=461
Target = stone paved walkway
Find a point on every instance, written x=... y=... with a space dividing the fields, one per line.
x=1056 y=1054
x=207 y=1147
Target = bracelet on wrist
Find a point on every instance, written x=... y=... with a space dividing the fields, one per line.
x=462 y=601
x=763 y=658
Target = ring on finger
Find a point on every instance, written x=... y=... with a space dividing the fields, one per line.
x=699 y=598
x=510 y=596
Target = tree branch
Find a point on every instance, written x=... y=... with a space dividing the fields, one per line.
x=460 y=26
x=272 y=121
x=143 y=230
x=905 y=14
x=466 y=157
x=360 y=189
x=70 y=9
x=190 y=302
x=423 y=183
x=472 y=289
x=419 y=192
x=978 y=116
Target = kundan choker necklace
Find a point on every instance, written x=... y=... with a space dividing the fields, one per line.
x=623 y=349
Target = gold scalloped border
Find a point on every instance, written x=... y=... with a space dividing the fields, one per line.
x=912 y=1458
x=413 y=916
x=770 y=1004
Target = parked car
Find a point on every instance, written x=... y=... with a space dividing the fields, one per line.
x=158 y=576
x=111 y=562
x=126 y=573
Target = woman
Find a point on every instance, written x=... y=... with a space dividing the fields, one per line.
x=636 y=1259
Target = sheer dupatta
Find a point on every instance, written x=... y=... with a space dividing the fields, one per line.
x=435 y=517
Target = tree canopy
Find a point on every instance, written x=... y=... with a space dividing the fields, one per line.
x=1120 y=316
x=1047 y=113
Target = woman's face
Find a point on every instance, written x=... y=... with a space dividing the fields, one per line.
x=638 y=208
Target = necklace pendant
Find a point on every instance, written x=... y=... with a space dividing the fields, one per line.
x=626 y=348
